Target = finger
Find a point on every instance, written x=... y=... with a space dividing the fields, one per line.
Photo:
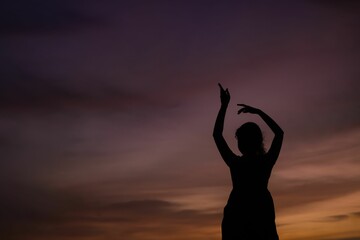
x=241 y=110
x=243 y=105
x=221 y=87
x=227 y=91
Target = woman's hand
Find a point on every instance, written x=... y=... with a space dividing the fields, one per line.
x=248 y=109
x=224 y=95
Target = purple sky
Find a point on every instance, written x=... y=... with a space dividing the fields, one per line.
x=107 y=110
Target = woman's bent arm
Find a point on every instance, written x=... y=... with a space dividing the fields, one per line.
x=276 y=144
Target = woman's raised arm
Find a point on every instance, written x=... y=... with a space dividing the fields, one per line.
x=221 y=144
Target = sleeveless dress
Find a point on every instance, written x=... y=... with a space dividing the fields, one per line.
x=249 y=213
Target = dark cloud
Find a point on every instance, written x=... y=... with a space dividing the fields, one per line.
x=311 y=191
x=41 y=16
x=337 y=3
x=159 y=210
x=33 y=212
x=356 y=214
x=336 y=218
x=143 y=207
x=349 y=238
x=156 y=219
x=24 y=91
x=42 y=214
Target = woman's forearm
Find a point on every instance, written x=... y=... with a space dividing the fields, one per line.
x=271 y=123
x=219 y=123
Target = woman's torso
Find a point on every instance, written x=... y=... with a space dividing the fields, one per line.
x=250 y=178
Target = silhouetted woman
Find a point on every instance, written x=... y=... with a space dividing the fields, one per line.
x=249 y=212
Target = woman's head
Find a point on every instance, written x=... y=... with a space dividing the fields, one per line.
x=250 y=139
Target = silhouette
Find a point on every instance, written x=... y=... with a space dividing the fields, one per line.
x=249 y=212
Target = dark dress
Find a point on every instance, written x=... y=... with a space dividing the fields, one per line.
x=249 y=212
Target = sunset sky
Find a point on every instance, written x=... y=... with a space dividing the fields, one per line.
x=107 y=110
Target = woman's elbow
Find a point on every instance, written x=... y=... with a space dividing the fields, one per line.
x=217 y=135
